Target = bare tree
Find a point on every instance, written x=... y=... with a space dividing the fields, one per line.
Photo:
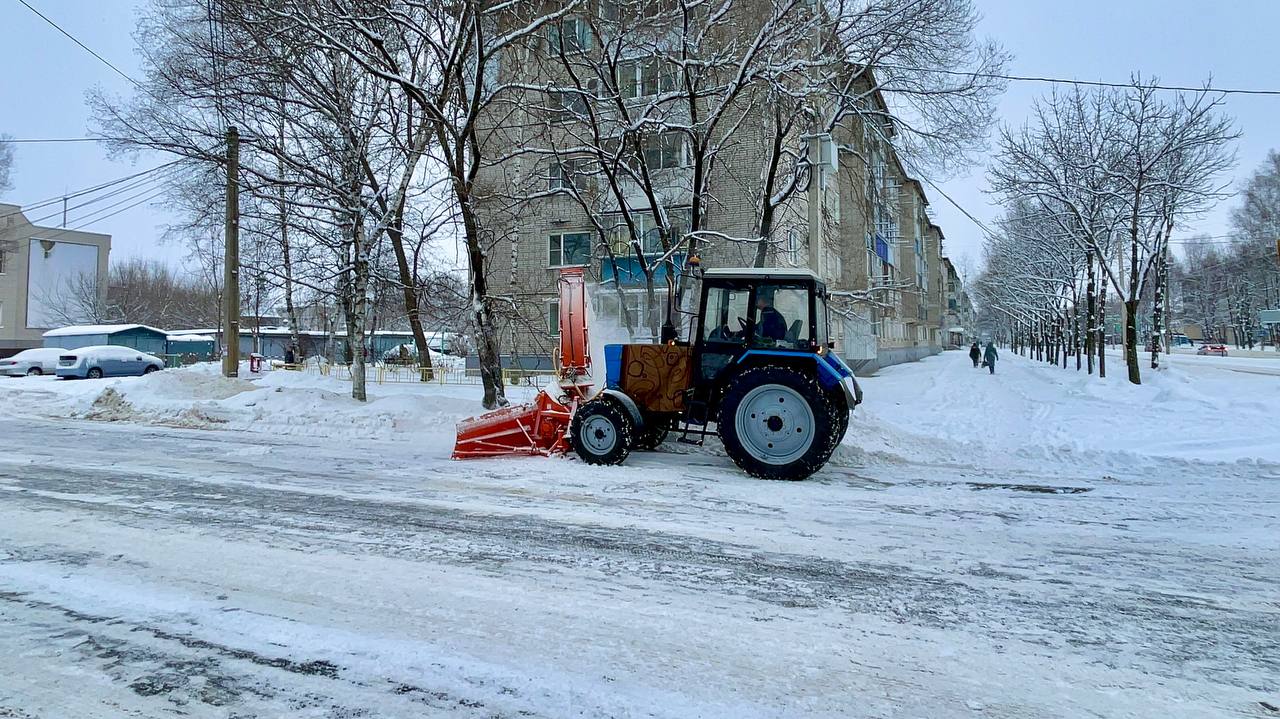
x=1117 y=171
x=6 y=163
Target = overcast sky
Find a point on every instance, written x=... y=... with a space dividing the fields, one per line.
x=1182 y=42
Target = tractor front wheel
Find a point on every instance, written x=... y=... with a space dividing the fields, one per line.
x=601 y=432
x=776 y=423
x=839 y=416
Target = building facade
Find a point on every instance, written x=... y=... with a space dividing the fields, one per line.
x=594 y=162
x=958 y=319
x=41 y=270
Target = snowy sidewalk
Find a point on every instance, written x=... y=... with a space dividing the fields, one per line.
x=945 y=409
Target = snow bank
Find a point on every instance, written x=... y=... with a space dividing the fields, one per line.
x=943 y=410
x=939 y=410
x=278 y=402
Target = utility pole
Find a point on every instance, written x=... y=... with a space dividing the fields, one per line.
x=817 y=182
x=231 y=262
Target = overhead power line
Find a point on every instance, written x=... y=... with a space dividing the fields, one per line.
x=88 y=190
x=17 y=140
x=148 y=184
x=1090 y=83
x=83 y=46
x=85 y=223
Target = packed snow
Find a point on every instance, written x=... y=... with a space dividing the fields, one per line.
x=1035 y=543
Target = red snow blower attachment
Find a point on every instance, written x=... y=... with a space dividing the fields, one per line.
x=540 y=427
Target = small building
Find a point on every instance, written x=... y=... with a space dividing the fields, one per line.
x=45 y=272
x=139 y=337
x=198 y=346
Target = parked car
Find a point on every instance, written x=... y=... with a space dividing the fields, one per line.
x=106 y=361
x=34 y=362
x=1212 y=349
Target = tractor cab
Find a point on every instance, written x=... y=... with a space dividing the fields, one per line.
x=755 y=312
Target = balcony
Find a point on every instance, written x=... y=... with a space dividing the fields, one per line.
x=631 y=273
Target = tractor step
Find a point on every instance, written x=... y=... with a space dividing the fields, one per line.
x=692 y=436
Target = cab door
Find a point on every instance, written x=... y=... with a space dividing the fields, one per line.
x=724 y=328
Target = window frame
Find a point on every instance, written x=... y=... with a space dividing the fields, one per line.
x=656 y=145
x=558 y=237
x=582 y=38
x=568 y=173
x=643 y=77
x=553 y=318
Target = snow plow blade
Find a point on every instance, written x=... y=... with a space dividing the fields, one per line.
x=535 y=429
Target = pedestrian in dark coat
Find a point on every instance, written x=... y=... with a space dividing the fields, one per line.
x=989 y=357
x=975 y=354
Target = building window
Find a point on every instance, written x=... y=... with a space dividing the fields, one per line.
x=567 y=105
x=793 y=246
x=663 y=151
x=553 y=318
x=645 y=78
x=569 y=173
x=569 y=249
x=571 y=35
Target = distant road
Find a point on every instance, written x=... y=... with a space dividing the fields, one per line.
x=1267 y=363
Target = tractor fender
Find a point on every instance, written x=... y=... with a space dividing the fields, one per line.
x=828 y=376
x=628 y=404
x=832 y=372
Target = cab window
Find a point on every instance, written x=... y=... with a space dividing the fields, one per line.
x=727 y=315
x=781 y=317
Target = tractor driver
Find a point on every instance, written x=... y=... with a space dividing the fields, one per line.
x=770 y=325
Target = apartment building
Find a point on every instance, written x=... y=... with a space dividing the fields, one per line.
x=855 y=217
x=43 y=269
x=958 y=317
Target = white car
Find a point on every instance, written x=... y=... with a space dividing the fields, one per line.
x=106 y=361
x=34 y=362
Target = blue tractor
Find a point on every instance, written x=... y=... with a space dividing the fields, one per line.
x=759 y=366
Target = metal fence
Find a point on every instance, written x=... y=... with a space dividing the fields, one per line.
x=408 y=374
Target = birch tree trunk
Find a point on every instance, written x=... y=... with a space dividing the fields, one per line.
x=1091 y=313
x=1157 y=306
x=357 y=309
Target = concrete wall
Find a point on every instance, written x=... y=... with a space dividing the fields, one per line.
x=889 y=356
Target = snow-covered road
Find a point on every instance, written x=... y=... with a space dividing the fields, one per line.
x=944 y=570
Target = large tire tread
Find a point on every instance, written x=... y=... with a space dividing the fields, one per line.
x=622 y=423
x=654 y=433
x=807 y=386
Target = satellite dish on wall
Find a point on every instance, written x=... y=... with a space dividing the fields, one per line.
x=47 y=246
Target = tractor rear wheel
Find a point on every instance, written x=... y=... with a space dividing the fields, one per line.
x=601 y=432
x=777 y=423
x=654 y=433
